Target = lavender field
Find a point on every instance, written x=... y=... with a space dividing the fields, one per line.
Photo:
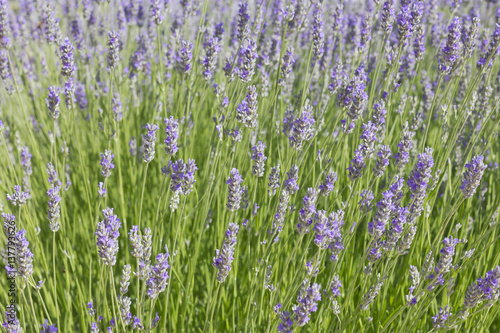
x=261 y=166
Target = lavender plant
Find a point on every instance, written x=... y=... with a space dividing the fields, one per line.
x=340 y=157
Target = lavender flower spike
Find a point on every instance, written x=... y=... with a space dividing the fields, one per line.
x=157 y=283
x=472 y=176
x=439 y=321
x=274 y=180
x=18 y=198
x=68 y=64
x=329 y=184
x=114 y=49
x=307 y=212
x=148 y=145
x=452 y=50
x=302 y=128
x=106 y=163
x=172 y=131
x=53 y=101
x=259 y=158
x=24 y=257
x=247 y=110
x=235 y=191
x=223 y=258
x=182 y=177
x=306 y=302
x=107 y=232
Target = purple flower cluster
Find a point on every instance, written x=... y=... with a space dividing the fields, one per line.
x=307 y=212
x=259 y=158
x=67 y=60
x=302 y=128
x=113 y=49
x=328 y=185
x=172 y=131
x=247 y=110
x=19 y=197
x=307 y=302
x=157 y=283
x=235 y=190
x=472 y=176
x=107 y=163
x=182 y=177
x=107 y=232
x=452 y=50
x=53 y=101
x=212 y=48
x=148 y=143
x=223 y=258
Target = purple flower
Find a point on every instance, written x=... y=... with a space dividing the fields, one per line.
x=137 y=323
x=439 y=320
x=53 y=101
x=286 y=324
x=418 y=182
x=48 y=329
x=12 y=324
x=148 y=143
x=24 y=258
x=329 y=184
x=68 y=64
x=54 y=208
x=291 y=184
x=327 y=229
x=492 y=50
x=101 y=190
x=318 y=36
x=182 y=177
x=155 y=321
x=259 y=158
x=172 y=131
x=302 y=128
x=235 y=191
x=107 y=163
x=246 y=61
x=156 y=15
x=382 y=161
x=307 y=300
x=243 y=22
x=18 y=198
x=405 y=26
x=469 y=39
x=212 y=48
x=366 y=201
x=247 y=110
x=352 y=97
x=384 y=207
x=117 y=107
x=274 y=180
x=286 y=66
x=403 y=157
x=157 y=283
x=335 y=77
x=107 y=232
x=26 y=160
x=357 y=163
x=223 y=258
x=185 y=56
x=472 y=176
x=113 y=49
x=307 y=212
x=388 y=15
x=452 y=50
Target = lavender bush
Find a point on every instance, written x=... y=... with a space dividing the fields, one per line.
x=260 y=166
